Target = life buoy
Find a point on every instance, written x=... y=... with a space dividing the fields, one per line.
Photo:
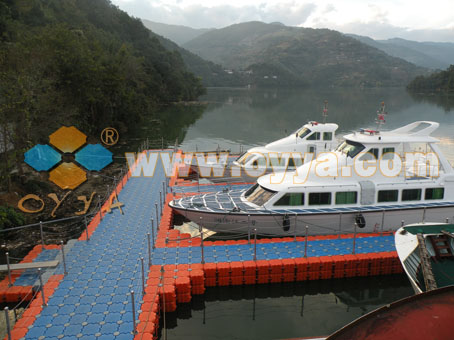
x=360 y=221
x=286 y=223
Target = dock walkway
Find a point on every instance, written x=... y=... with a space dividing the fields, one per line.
x=92 y=301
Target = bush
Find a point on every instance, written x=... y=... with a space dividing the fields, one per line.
x=10 y=218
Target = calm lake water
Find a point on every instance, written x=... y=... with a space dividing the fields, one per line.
x=235 y=117
x=249 y=118
x=282 y=311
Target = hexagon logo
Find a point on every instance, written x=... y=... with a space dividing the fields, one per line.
x=94 y=157
x=42 y=157
x=67 y=139
x=68 y=176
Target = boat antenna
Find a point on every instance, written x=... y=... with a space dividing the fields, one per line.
x=325 y=112
x=381 y=115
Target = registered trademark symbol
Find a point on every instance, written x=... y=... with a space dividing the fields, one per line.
x=110 y=136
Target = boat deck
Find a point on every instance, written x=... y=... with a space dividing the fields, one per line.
x=443 y=271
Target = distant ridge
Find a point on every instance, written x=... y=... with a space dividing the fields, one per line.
x=434 y=55
x=177 y=33
x=278 y=54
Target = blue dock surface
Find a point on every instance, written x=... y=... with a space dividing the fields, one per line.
x=93 y=300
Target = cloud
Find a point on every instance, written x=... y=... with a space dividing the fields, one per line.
x=290 y=13
x=378 y=14
x=384 y=30
x=350 y=16
x=374 y=21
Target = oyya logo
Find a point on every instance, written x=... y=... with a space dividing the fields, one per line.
x=68 y=140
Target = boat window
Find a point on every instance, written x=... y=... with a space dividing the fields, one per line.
x=350 y=148
x=303 y=132
x=259 y=195
x=327 y=136
x=251 y=190
x=298 y=161
x=319 y=198
x=292 y=162
x=245 y=157
x=346 y=197
x=240 y=156
x=411 y=194
x=259 y=161
x=388 y=153
x=434 y=193
x=370 y=155
x=292 y=199
x=314 y=136
x=387 y=195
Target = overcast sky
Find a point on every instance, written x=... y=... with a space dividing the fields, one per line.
x=421 y=20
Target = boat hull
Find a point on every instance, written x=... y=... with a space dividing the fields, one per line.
x=405 y=245
x=419 y=317
x=318 y=223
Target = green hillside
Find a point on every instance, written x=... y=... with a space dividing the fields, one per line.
x=211 y=74
x=82 y=62
x=317 y=57
x=437 y=82
x=101 y=62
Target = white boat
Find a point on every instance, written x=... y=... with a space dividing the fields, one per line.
x=358 y=185
x=426 y=251
x=281 y=155
x=288 y=153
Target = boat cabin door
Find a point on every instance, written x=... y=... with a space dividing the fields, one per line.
x=367 y=192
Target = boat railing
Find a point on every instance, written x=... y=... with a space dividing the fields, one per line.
x=426 y=267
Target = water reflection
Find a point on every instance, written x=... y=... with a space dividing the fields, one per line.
x=254 y=117
x=164 y=128
x=279 y=311
x=442 y=100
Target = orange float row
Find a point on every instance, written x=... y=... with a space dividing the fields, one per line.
x=28 y=318
x=301 y=269
x=11 y=294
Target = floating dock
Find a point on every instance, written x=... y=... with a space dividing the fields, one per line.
x=93 y=299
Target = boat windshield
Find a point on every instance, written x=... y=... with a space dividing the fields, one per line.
x=350 y=148
x=245 y=157
x=301 y=133
x=259 y=195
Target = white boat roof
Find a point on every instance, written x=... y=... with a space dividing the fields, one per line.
x=416 y=132
x=277 y=145
x=321 y=127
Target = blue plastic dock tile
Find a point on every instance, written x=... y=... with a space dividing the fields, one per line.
x=91 y=329
x=109 y=328
x=73 y=330
x=35 y=332
x=123 y=336
x=125 y=328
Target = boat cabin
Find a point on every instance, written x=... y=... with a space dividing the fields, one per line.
x=289 y=152
x=359 y=173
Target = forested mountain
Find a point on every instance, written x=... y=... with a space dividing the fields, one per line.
x=211 y=74
x=292 y=55
x=435 y=55
x=437 y=82
x=79 y=61
x=177 y=33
